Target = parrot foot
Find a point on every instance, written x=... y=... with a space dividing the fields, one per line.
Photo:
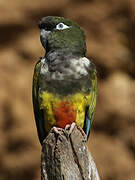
x=83 y=133
x=56 y=130
x=70 y=127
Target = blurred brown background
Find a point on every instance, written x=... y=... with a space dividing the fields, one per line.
x=110 y=34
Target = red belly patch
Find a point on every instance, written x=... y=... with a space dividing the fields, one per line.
x=64 y=114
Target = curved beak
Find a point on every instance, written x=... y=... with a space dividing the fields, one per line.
x=43 y=37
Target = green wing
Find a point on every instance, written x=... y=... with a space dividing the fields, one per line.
x=39 y=116
x=90 y=110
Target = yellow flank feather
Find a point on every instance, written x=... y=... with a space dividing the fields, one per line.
x=51 y=101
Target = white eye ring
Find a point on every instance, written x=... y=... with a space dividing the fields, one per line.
x=62 y=26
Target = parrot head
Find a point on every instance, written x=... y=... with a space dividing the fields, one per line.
x=60 y=34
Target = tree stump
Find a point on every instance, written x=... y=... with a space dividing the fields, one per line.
x=67 y=158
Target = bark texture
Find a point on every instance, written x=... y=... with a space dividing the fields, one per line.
x=67 y=158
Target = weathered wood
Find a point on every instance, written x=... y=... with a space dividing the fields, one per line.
x=67 y=158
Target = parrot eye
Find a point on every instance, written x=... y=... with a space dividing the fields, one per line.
x=62 y=26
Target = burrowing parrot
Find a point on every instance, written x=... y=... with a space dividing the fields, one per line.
x=64 y=81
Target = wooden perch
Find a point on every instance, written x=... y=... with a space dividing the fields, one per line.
x=67 y=158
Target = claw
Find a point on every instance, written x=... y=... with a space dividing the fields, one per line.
x=83 y=133
x=67 y=126
x=81 y=130
x=56 y=130
x=70 y=127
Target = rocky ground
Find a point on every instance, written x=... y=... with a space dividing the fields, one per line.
x=109 y=27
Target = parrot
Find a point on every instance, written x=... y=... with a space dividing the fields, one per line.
x=64 y=88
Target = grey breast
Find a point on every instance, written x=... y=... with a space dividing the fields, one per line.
x=64 y=76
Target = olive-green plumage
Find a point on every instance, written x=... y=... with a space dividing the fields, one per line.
x=64 y=81
x=70 y=39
